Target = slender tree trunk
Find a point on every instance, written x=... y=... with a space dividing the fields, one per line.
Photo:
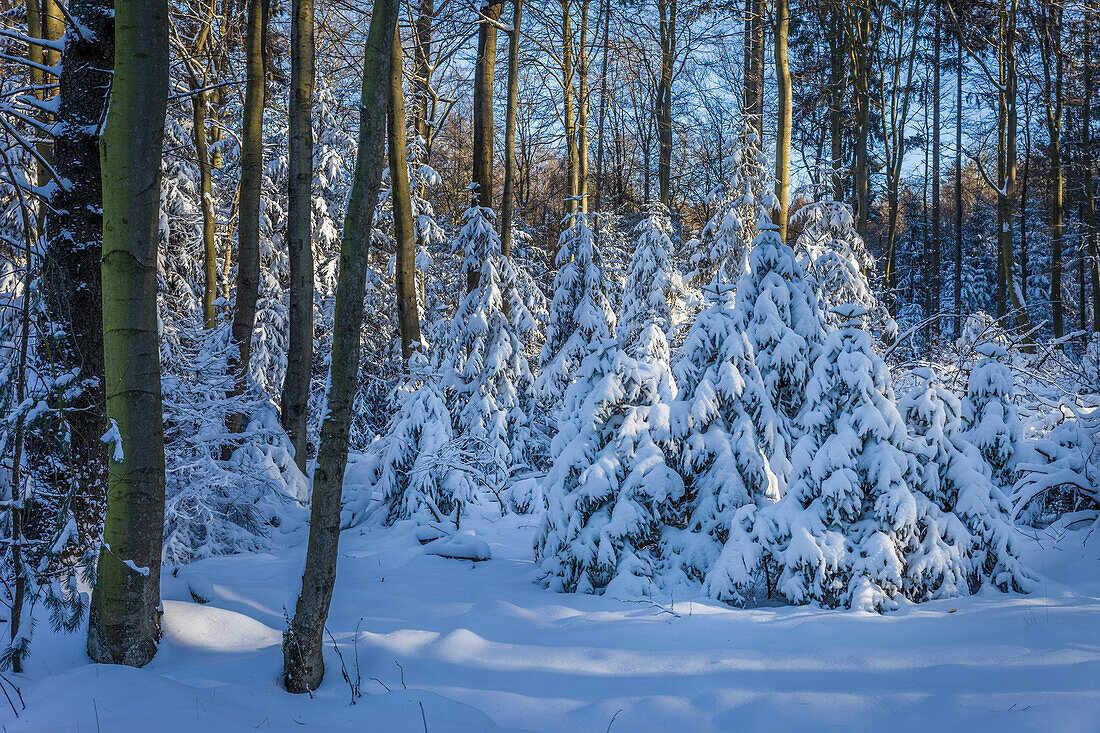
x=957 y=294
x=754 y=64
x=408 y=314
x=422 y=73
x=572 y=187
x=783 y=124
x=836 y=101
x=934 y=271
x=248 y=227
x=862 y=73
x=1006 y=198
x=206 y=193
x=1089 y=161
x=299 y=362
x=483 y=113
x=606 y=13
x=583 y=106
x=124 y=623
x=303 y=665
x=507 y=204
x=667 y=9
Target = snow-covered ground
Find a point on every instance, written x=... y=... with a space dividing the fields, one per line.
x=450 y=645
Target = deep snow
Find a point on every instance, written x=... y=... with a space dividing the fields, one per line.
x=480 y=645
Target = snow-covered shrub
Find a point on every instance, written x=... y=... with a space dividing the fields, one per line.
x=409 y=468
x=610 y=480
x=724 y=426
x=226 y=492
x=1061 y=482
x=952 y=477
x=580 y=313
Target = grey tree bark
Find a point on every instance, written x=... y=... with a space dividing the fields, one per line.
x=408 y=315
x=507 y=204
x=299 y=366
x=303 y=664
x=248 y=226
x=124 y=623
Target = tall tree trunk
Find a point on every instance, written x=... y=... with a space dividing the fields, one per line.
x=303 y=665
x=1047 y=22
x=572 y=184
x=783 y=124
x=206 y=204
x=606 y=13
x=74 y=236
x=422 y=73
x=934 y=284
x=507 y=204
x=124 y=622
x=583 y=106
x=862 y=80
x=837 y=78
x=408 y=314
x=1089 y=161
x=248 y=226
x=483 y=112
x=1006 y=197
x=957 y=292
x=667 y=9
x=754 y=64
x=299 y=361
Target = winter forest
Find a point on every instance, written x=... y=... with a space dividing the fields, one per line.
x=613 y=365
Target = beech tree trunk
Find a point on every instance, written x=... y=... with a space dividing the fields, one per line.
x=303 y=665
x=299 y=361
x=667 y=10
x=408 y=315
x=784 y=121
x=248 y=226
x=507 y=203
x=483 y=113
x=124 y=622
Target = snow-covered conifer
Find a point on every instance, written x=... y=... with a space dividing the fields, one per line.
x=610 y=481
x=839 y=536
x=723 y=247
x=648 y=282
x=724 y=425
x=489 y=379
x=408 y=465
x=837 y=261
x=778 y=311
x=580 y=312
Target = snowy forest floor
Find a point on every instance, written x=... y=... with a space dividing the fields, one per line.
x=465 y=646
